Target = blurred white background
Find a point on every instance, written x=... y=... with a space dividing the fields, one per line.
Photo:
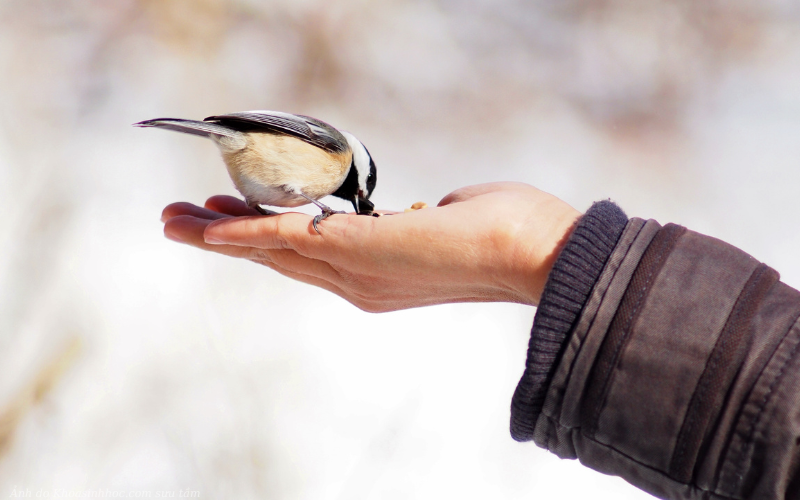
x=133 y=363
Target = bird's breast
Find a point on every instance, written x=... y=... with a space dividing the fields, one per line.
x=271 y=168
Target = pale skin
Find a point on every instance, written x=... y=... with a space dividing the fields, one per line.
x=485 y=243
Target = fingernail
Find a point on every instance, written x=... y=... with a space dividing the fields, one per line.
x=211 y=240
x=173 y=237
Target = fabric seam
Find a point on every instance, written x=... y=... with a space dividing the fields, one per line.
x=601 y=301
x=596 y=397
x=702 y=413
x=704 y=491
x=741 y=457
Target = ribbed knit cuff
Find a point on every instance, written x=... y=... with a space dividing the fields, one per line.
x=568 y=286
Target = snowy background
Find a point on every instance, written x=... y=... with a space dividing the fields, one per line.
x=133 y=363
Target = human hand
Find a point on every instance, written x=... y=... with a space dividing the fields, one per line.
x=486 y=243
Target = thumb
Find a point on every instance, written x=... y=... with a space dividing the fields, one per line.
x=465 y=193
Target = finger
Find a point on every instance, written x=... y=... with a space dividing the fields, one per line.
x=189 y=230
x=184 y=208
x=230 y=205
x=468 y=192
x=261 y=232
x=340 y=234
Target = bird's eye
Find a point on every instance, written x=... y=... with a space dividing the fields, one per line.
x=372 y=178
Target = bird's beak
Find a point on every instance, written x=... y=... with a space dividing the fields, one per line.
x=362 y=204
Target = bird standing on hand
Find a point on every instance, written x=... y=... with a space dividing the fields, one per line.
x=286 y=160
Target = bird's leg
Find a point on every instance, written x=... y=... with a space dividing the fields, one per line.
x=263 y=211
x=326 y=211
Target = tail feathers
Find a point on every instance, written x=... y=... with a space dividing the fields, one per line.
x=203 y=129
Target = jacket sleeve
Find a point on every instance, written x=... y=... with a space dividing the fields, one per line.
x=668 y=358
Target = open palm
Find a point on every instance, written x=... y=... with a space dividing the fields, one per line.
x=490 y=242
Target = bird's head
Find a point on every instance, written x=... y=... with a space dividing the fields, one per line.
x=365 y=173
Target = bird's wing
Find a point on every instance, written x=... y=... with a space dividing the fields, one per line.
x=203 y=129
x=309 y=129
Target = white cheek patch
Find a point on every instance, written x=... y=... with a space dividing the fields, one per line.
x=360 y=158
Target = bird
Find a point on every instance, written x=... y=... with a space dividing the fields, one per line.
x=286 y=160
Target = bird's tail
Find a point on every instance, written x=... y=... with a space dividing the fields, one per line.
x=203 y=129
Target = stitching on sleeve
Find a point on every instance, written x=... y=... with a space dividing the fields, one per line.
x=761 y=406
x=721 y=368
x=602 y=373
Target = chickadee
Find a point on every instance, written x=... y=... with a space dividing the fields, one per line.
x=286 y=160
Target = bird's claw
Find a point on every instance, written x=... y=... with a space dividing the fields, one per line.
x=326 y=212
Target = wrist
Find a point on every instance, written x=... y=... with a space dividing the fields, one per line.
x=539 y=279
x=538 y=247
x=572 y=277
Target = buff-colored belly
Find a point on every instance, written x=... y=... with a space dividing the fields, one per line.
x=271 y=169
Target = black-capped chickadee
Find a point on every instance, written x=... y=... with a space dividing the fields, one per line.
x=286 y=160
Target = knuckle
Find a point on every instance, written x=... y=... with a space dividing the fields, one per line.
x=281 y=232
x=283 y=258
x=359 y=286
x=351 y=227
x=260 y=254
x=348 y=278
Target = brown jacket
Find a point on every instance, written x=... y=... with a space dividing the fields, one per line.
x=676 y=367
